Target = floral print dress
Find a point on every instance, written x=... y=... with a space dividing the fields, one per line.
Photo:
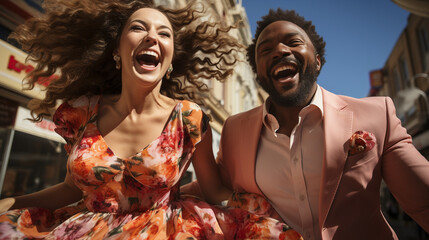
x=138 y=197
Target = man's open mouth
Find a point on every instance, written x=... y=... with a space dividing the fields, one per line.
x=285 y=71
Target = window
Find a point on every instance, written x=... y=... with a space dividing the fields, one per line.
x=34 y=164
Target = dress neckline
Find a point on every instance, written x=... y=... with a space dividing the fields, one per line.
x=169 y=119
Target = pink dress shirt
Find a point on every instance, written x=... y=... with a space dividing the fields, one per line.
x=288 y=170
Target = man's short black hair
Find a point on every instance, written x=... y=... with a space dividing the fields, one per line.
x=293 y=17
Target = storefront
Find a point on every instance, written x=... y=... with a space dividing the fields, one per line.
x=32 y=155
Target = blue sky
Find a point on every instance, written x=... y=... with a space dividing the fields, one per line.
x=359 y=36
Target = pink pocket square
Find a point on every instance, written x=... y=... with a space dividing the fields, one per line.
x=360 y=142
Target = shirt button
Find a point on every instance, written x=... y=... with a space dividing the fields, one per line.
x=301 y=197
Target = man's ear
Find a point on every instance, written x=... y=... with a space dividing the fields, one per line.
x=318 y=62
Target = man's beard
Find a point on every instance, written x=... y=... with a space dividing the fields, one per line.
x=298 y=98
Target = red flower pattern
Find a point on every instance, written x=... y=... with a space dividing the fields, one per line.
x=137 y=197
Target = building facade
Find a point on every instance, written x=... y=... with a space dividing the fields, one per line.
x=32 y=156
x=405 y=78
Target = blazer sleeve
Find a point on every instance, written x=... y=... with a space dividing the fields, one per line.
x=224 y=171
x=405 y=170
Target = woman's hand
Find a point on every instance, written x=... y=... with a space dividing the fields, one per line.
x=6 y=204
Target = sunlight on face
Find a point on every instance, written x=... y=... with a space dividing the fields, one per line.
x=146 y=46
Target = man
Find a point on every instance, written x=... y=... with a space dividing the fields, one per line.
x=319 y=158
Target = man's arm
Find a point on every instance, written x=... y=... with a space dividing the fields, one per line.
x=405 y=170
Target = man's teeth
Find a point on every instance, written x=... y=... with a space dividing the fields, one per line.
x=283 y=68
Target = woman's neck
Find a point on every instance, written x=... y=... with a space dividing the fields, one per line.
x=141 y=100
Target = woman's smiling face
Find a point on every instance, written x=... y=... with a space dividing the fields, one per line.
x=146 y=46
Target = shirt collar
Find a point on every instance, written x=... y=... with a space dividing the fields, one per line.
x=318 y=100
x=271 y=123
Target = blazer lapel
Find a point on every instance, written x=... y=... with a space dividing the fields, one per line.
x=338 y=120
x=249 y=139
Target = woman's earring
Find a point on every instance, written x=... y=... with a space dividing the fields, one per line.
x=117 y=59
x=169 y=70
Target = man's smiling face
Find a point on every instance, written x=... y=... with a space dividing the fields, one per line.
x=287 y=64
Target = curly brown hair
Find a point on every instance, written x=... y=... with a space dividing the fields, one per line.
x=293 y=17
x=76 y=39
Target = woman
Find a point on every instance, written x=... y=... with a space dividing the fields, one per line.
x=126 y=68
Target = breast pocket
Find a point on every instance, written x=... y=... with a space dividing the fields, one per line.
x=362 y=160
x=359 y=171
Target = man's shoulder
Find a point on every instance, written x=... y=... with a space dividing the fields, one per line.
x=369 y=100
x=254 y=112
x=361 y=102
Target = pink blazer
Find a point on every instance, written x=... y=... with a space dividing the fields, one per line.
x=349 y=200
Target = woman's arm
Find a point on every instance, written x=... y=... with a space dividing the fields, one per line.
x=54 y=197
x=207 y=171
